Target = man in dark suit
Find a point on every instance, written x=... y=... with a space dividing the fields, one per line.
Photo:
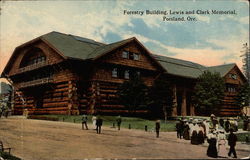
x=232 y=139
x=98 y=125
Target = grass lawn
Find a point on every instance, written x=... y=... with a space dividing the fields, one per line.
x=242 y=136
x=135 y=123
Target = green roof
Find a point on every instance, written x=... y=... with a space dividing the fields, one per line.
x=180 y=67
x=104 y=49
x=222 y=69
x=72 y=46
x=83 y=48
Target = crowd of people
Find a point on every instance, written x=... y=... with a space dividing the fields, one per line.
x=212 y=130
x=198 y=131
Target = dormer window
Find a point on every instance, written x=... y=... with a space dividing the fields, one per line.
x=233 y=76
x=136 y=56
x=130 y=55
x=125 y=54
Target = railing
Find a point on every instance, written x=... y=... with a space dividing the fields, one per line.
x=32 y=67
x=36 y=82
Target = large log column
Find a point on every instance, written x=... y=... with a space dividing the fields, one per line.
x=174 y=112
x=184 y=103
x=73 y=99
x=192 y=110
x=92 y=100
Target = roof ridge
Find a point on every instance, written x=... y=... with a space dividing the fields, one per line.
x=194 y=65
x=107 y=45
x=222 y=65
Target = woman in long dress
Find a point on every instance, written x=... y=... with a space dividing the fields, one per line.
x=222 y=152
x=94 y=121
x=212 y=150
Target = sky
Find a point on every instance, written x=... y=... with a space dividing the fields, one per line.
x=213 y=39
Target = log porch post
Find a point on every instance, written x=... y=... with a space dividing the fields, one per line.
x=184 y=103
x=174 y=112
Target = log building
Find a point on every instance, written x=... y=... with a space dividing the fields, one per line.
x=59 y=73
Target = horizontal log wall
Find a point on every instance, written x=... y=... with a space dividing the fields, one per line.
x=107 y=100
x=55 y=100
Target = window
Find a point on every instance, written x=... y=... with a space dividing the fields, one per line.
x=125 y=54
x=114 y=72
x=131 y=55
x=231 y=88
x=136 y=56
x=126 y=74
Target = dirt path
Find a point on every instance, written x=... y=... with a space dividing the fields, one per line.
x=46 y=140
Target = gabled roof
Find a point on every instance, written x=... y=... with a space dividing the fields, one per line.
x=72 y=46
x=180 y=67
x=222 y=69
x=106 y=48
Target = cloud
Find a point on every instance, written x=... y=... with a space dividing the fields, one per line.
x=203 y=18
x=244 y=20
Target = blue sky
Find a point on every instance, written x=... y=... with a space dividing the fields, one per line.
x=211 y=40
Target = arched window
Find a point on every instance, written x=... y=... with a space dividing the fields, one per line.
x=33 y=56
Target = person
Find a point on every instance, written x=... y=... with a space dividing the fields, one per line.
x=157 y=128
x=232 y=139
x=119 y=121
x=201 y=133
x=195 y=131
x=227 y=125
x=222 y=152
x=207 y=126
x=0 y=111
x=212 y=149
x=186 y=131
x=98 y=125
x=236 y=125
x=94 y=121
x=179 y=129
x=221 y=121
x=84 y=121
x=191 y=126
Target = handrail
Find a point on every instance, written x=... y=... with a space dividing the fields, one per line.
x=35 y=82
x=33 y=66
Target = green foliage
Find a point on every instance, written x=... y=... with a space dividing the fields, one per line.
x=242 y=136
x=133 y=94
x=243 y=96
x=208 y=93
x=161 y=96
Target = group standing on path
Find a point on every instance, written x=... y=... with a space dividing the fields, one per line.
x=198 y=130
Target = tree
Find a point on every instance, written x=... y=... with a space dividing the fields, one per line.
x=133 y=94
x=161 y=96
x=208 y=93
x=243 y=95
x=246 y=62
